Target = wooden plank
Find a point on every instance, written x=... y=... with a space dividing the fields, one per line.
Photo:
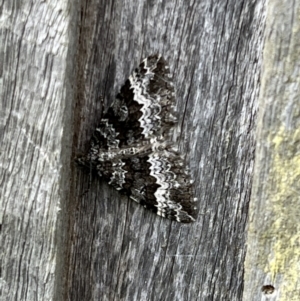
x=272 y=266
x=37 y=44
x=121 y=251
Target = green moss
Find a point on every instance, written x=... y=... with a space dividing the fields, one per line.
x=285 y=201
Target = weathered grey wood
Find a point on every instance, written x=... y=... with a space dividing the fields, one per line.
x=121 y=251
x=38 y=40
x=273 y=257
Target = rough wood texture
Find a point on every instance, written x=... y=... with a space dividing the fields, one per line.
x=273 y=257
x=121 y=251
x=37 y=43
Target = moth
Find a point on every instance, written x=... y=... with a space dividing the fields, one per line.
x=132 y=149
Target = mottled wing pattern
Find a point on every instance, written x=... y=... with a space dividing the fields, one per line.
x=131 y=148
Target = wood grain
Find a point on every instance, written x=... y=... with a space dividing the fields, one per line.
x=68 y=236
x=37 y=43
x=273 y=236
x=121 y=251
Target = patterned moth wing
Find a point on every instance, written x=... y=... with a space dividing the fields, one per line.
x=132 y=149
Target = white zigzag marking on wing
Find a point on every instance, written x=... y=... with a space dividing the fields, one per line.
x=118 y=176
x=166 y=179
x=149 y=117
